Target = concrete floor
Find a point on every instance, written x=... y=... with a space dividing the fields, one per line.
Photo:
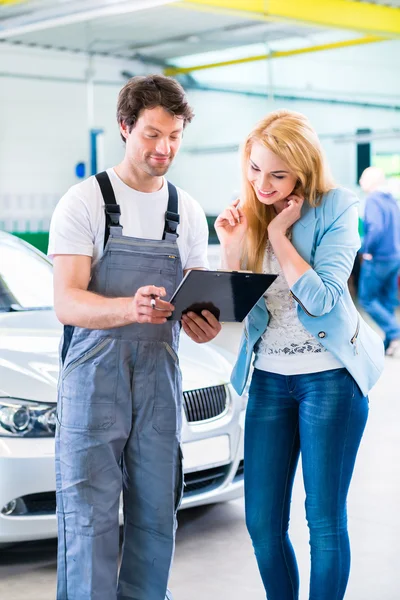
x=214 y=558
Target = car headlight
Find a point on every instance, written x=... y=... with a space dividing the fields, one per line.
x=25 y=418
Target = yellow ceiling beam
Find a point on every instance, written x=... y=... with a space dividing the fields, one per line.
x=250 y=6
x=343 y=14
x=279 y=54
x=218 y=10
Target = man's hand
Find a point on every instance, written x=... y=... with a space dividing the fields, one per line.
x=201 y=329
x=147 y=306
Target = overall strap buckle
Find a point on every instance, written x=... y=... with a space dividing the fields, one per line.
x=111 y=208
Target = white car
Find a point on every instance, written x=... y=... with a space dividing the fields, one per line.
x=29 y=337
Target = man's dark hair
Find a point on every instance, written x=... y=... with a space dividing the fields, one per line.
x=150 y=91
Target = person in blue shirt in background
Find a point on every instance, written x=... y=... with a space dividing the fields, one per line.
x=378 y=290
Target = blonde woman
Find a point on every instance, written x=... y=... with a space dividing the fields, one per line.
x=315 y=359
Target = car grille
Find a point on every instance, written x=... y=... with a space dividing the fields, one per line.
x=205 y=480
x=205 y=403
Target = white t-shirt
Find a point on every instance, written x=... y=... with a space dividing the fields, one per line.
x=78 y=222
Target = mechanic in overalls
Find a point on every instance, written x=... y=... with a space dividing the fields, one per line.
x=121 y=242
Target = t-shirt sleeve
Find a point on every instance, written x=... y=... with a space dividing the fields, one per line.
x=71 y=229
x=197 y=255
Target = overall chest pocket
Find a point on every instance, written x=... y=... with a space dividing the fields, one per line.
x=88 y=387
x=127 y=271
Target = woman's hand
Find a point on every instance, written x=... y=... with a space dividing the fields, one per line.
x=231 y=226
x=287 y=217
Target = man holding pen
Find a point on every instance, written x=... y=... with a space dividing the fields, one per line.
x=121 y=242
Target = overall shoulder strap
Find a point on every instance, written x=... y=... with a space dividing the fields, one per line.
x=172 y=215
x=111 y=208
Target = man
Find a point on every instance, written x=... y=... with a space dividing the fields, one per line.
x=121 y=242
x=378 y=285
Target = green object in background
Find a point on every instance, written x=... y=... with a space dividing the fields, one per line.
x=38 y=239
x=389 y=162
x=212 y=239
x=41 y=239
x=360 y=227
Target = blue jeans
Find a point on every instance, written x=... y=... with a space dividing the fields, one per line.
x=323 y=415
x=378 y=294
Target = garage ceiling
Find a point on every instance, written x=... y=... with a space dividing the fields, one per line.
x=155 y=35
x=158 y=31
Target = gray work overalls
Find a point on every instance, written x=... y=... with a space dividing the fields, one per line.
x=119 y=423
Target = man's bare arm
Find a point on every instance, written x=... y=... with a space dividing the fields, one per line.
x=75 y=305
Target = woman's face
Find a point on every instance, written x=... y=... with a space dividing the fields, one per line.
x=270 y=177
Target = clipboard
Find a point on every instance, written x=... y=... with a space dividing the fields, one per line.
x=228 y=295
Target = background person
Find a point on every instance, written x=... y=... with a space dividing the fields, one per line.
x=315 y=358
x=378 y=291
x=120 y=397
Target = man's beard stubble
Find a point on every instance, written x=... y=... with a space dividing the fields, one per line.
x=157 y=171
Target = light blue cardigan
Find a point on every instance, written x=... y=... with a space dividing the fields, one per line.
x=327 y=238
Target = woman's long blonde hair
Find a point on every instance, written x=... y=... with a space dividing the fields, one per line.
x=291 y=137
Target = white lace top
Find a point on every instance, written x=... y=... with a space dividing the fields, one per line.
x=286 y=347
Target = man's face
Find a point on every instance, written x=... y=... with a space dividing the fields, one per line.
x=154 y=140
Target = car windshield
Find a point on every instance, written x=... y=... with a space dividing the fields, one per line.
x=26 y=277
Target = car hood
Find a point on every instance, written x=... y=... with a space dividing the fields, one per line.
x=29 y=364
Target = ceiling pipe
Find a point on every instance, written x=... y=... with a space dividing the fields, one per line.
x=200 y=87
x=277 y=54
x=189 y=85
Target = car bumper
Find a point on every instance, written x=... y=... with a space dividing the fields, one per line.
x=27 y=472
